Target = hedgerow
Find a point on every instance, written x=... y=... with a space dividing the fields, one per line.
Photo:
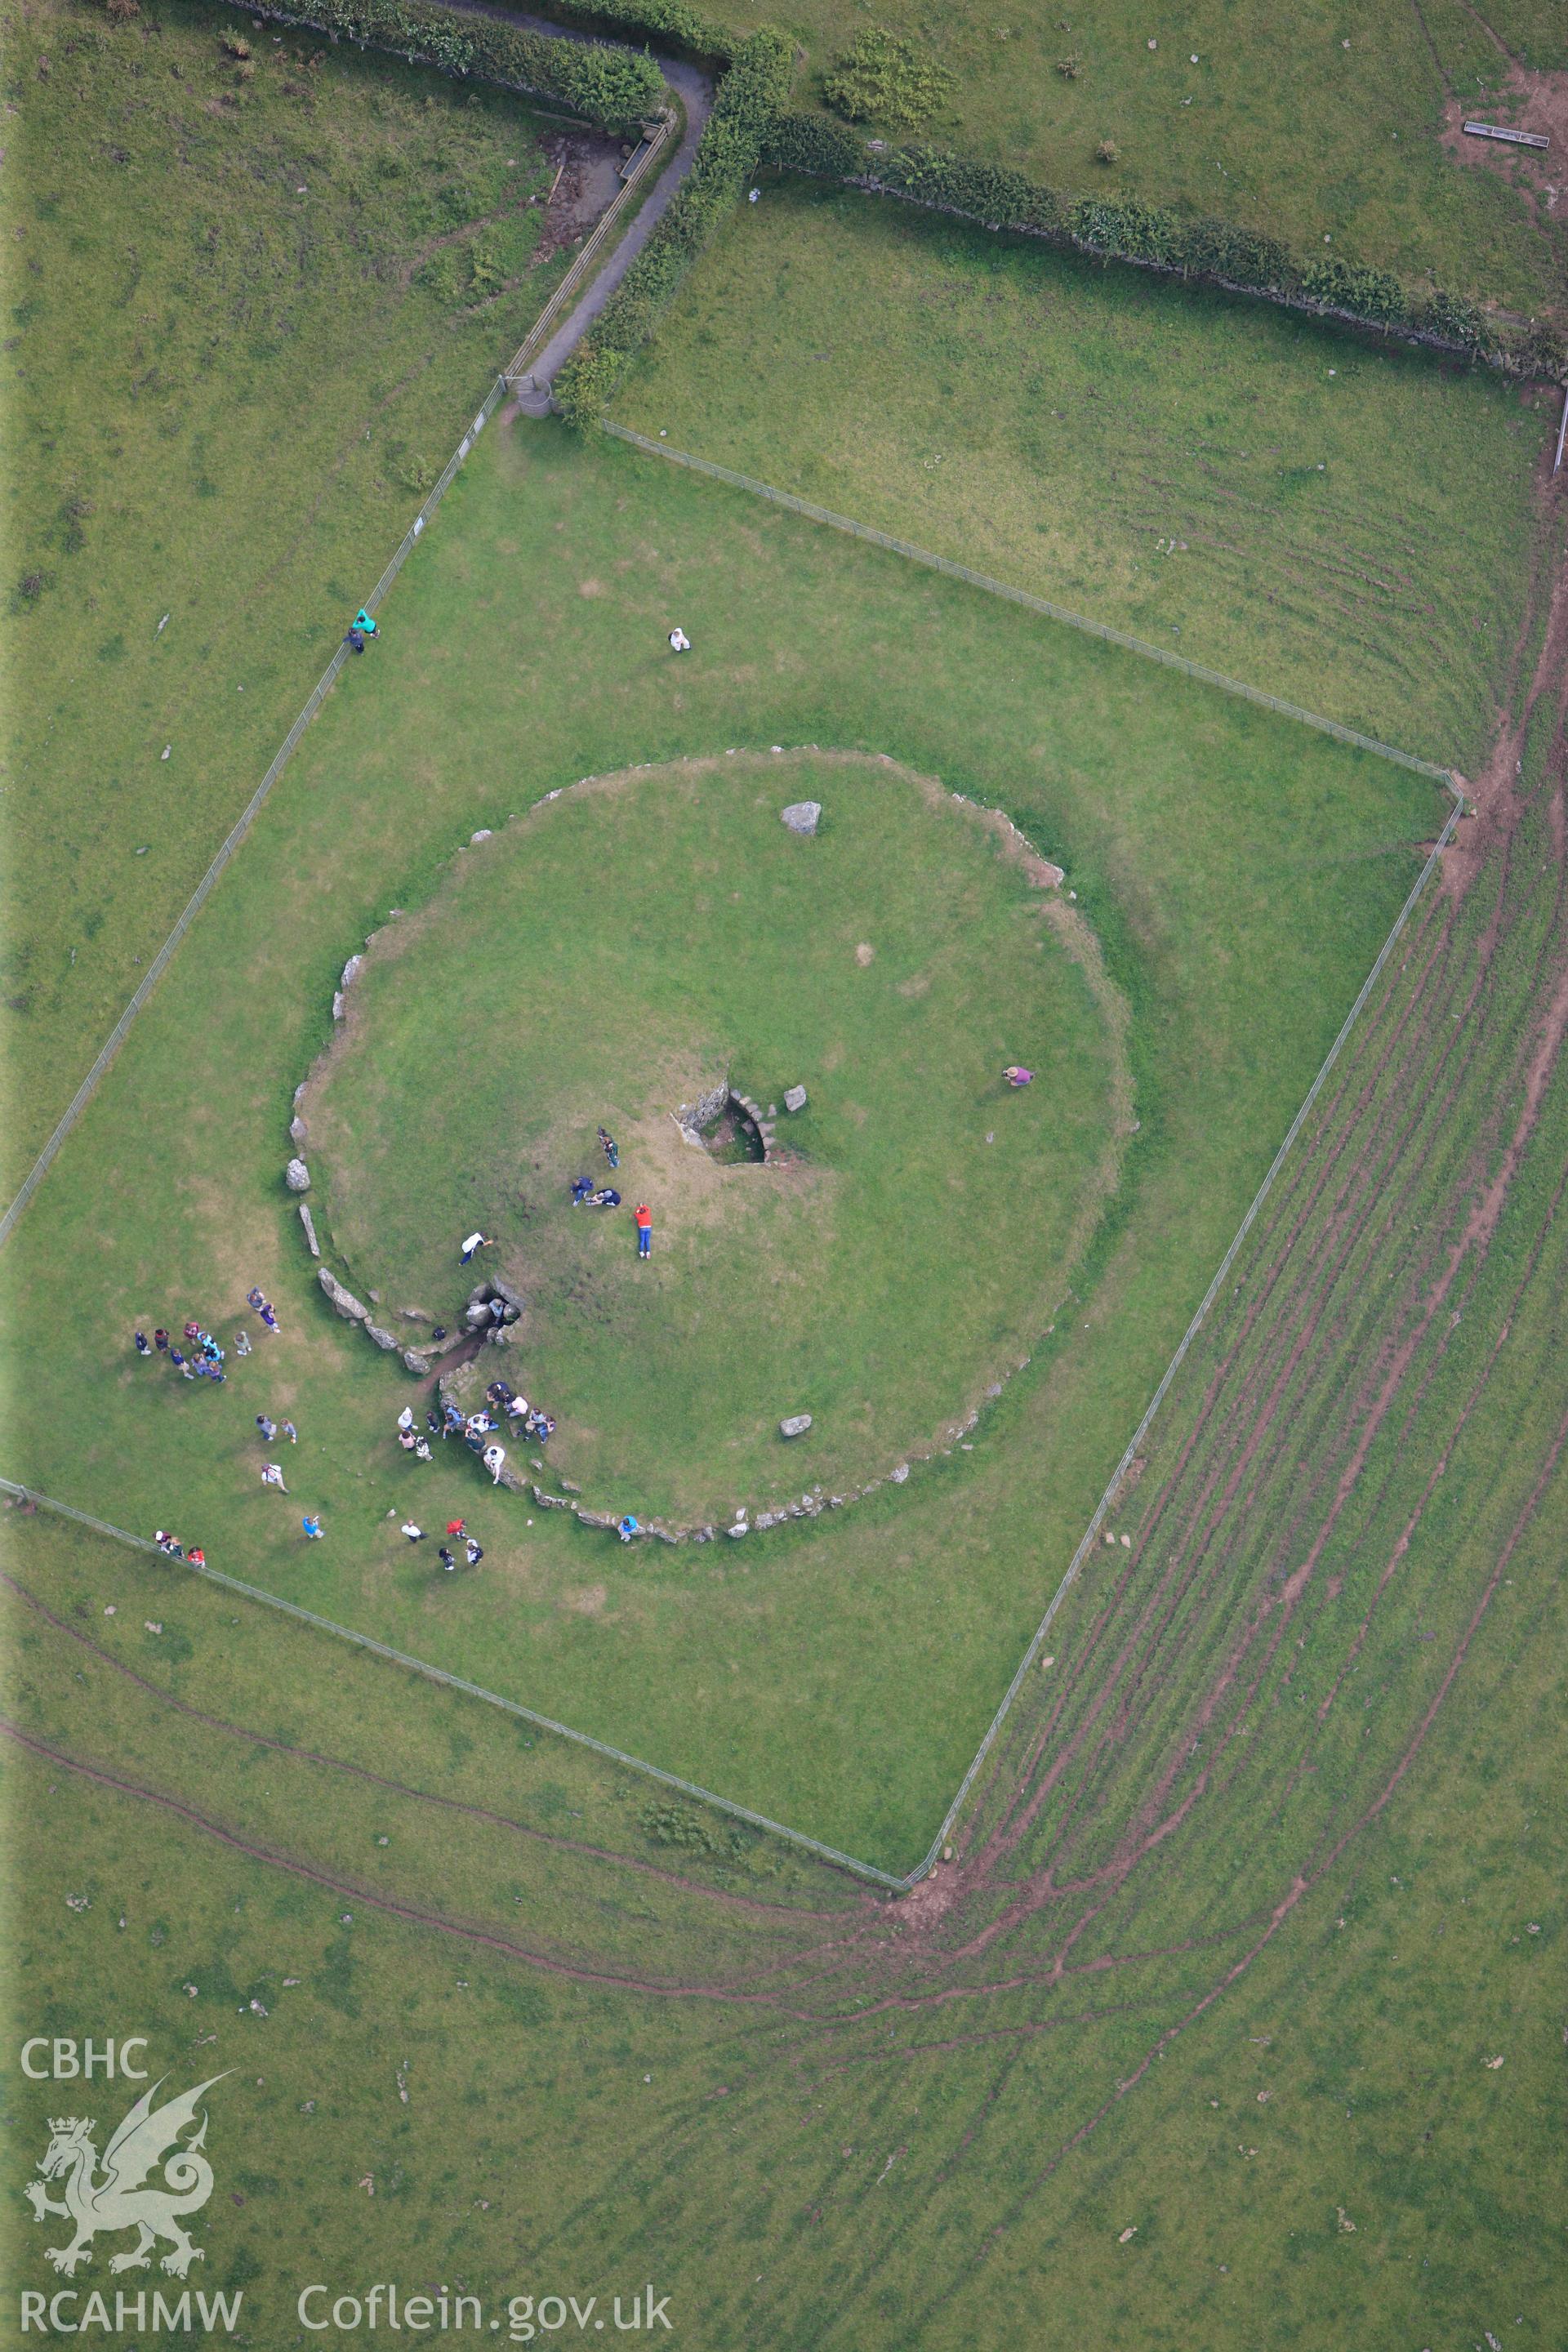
x=616 y=88
x=748 y=99
x=1124 y=228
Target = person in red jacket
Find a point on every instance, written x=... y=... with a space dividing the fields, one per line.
x=645 y=1230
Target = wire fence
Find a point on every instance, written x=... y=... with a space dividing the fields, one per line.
x=944 y=564
x=1031 y=604
x=1193 y=1327
x=538 y=334
x=459 y=1683
x=248 y=818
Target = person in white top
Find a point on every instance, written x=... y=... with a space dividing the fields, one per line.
x=679 y=643
x=492 y=1458
x=476 y=1242
x=272 y=1476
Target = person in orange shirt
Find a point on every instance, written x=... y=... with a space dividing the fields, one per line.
x=645 y=1230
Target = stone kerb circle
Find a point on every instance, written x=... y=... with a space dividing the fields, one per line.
x=421 y=1360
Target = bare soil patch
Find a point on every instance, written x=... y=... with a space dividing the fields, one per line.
x=1528 y=102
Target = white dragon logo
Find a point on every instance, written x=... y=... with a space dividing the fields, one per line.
x=117 y=2200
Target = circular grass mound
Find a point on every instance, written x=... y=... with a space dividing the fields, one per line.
x=615 y=955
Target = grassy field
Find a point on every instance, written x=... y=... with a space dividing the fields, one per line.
x=1235 y=2019
x=542 y=2038
x=840 y=1679
x=1311 y=122
x=1270 y=497
x=253 y=303
x=643 y=940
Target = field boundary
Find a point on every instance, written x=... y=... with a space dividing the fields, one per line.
x=538 y=334
x=252 y=810
x=1030 y=601
x=459 y=1683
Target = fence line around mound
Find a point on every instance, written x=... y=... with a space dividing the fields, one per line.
x=459 y=1683
x=798 y=1838
x=248 y=818
x=1023 y=596
x=953 y=569
x=1085 y=1542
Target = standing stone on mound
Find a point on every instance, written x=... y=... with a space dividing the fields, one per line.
x=413 y=1361
x=296 y=1130
x=413 y=1314
x=351 y=971
x=899 y=1475
x=297 y=1176
x=803 y=817
x=383 y=1338
x=477 y=1316
x=340 y=1004
x=513 y=1296
x=795 y=1426
x=794 y=1097
x=309 y=1223
x=347 y=1305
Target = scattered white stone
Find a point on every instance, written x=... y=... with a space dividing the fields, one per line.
x=1132 y=2233
x=899 y=1475
x=483 y=835
x=795 y=1425
x=801 y=817
x=795 y=1098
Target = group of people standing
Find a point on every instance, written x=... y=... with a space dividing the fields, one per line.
x=202 y=1358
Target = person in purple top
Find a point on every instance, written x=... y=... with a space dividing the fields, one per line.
x=1016 y=1075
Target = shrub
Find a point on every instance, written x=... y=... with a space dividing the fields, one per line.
x=1126 y=227
x=1452 y=319
x=888 y=76
x=121 y=11
x=1070 y=69
x=1370 y=294
x=1107 y=152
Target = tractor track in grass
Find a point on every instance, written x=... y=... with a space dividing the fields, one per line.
x=338 y=1764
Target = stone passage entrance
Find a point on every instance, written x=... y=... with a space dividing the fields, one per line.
x=729 y=1126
